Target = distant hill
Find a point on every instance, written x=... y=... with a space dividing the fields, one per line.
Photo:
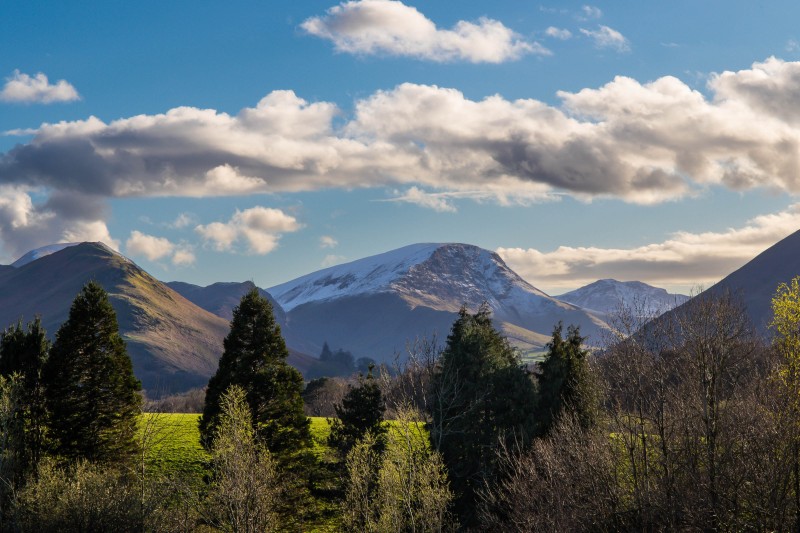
x=610 y=295
x=174 y=344
x=220 y=298
x=374 y=306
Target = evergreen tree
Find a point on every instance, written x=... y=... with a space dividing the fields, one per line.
x=481 y=394
x=565 y=382
x=91 y=391
x=360 y=413
x=254 y=358
x=23 y=354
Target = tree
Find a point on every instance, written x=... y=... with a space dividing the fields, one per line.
x=481 y=394
x=254 y=358
x=92 y=394
x=401 y=489
x=565 y=382
x=246 y=487
x=361 y=412
x=23 y=353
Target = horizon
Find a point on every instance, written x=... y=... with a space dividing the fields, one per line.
x=263 y=142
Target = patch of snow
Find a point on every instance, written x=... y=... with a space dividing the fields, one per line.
x=44 y=251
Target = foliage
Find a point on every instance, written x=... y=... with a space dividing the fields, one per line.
x=92 y=394
x=254 y=359
x=404 y=488
x=321 y=395
x=360 y=413
x=565 y=382
x=246 y=486
x=481 y=395
x=23 y=353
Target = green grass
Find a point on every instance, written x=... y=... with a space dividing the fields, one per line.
x=172 y=443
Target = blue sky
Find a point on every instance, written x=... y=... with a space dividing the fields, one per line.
x=216 y=141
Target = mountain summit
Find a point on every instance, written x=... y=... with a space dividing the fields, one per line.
x=610 y=295
x=374 y=306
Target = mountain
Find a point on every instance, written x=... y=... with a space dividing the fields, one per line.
x=220 y=298
x=38 y=253
x=174 y=344
x=609 y=296
x=756 y=282
x=374 y=306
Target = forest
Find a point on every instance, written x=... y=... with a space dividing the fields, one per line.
x=685 y=421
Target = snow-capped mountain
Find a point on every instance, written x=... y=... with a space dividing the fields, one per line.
x=373 y=306
x=610 y=296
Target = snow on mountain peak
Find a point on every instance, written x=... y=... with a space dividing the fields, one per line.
x=608 y=295
x=368 y=275
x=38 y=253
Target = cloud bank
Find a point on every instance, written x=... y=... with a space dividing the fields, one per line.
x=638 y=142
x=684 y=260
x=369 y=27
x=25 y=89
x=156 y=248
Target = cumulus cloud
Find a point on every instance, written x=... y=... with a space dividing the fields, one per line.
x=684 y=260
x=26 y=89
x=155 y=248
x=436 y=201
x=390 y=27
x=590 y=12
x=28 y=222
x=259 y=228
x=558 y=33
x=640 y=142
x=605 y=37
x=326 y=241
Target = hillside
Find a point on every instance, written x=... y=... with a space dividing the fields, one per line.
x=610 y=295
x=173 y=343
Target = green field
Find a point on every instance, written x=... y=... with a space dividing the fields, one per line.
x=172 y=441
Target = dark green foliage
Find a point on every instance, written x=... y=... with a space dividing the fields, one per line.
x=255 y=359
x=23 y=354
x=360 y=413
x=565 y=382
x=481 y=394
x=92 y=394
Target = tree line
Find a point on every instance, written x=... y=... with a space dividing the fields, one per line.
x=685 y=421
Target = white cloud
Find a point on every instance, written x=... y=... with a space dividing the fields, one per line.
x=22 y=88
x=605 y=37
x=156 y=248
x=393 y=28
x=326 y=241
x=259 y=227
x=684 y=260
x=183 y=220
x=639 y=142
x=558 y=33
x=26 y=224
x=331 y=260
x=590 y=12
x=436 y=201
x=153 y=248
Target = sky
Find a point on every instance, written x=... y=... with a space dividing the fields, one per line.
x=231 y=141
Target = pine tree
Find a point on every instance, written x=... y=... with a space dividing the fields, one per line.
x=565 y=382
x=23 y=353
x=91 y=391
x=254 y=358
x=361 y=412
x=481 y=394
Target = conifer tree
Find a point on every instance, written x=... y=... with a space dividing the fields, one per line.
x=360 y=413
x=254 y=358
x=481 y=394
x=23 y=354
x=92 y=394
x=565 y=382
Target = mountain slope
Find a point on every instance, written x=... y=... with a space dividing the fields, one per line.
x=373 y=306
x=610 y=295
x=220 y=298
x=757 y=281
x=173 y=343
